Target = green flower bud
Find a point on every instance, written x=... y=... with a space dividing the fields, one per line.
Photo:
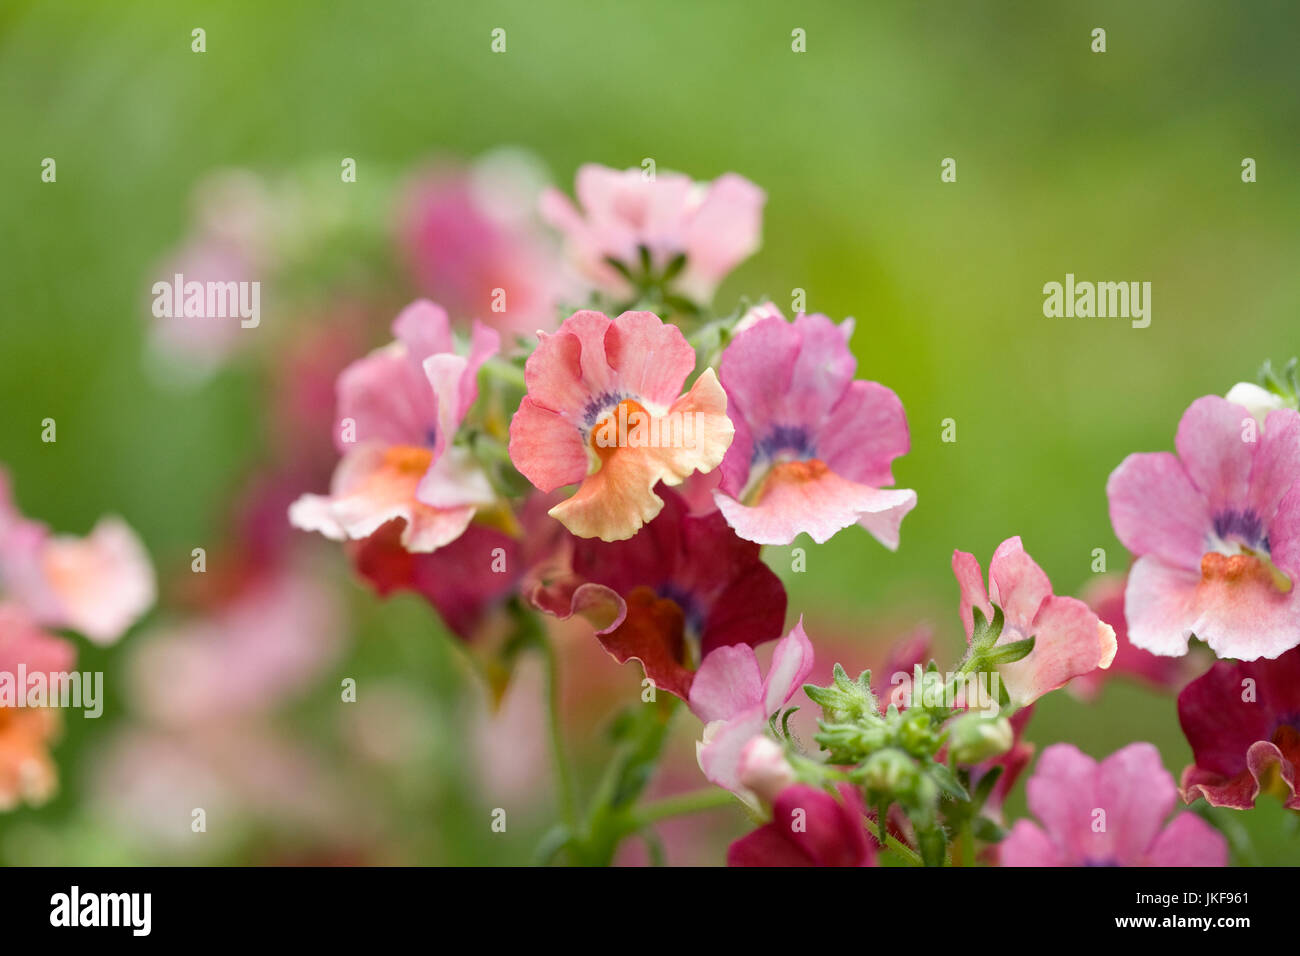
x=974 y=738
x=890 y=773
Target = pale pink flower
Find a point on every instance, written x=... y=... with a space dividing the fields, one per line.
x=716 y=226
x=1108 y=814
x=1069 y=639
x=813 y=447
x=1216 y=531
x=399 y=409
x=98 y=585
x=735 y=702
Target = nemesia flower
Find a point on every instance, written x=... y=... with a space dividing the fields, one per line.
x=1243 y=722
x=1108 y=814
x=604 y=410
x=470 y=241
x=735 y=703
x=27 y=773
x=716 y=226
x=1216 y=531
x=1105 y=595
x=398 y=411
x=813 y=447
x=98 y=585
x=809 y=827
x=670 y=597
x=1070 y=640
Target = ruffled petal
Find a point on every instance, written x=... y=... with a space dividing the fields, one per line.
x=727 y=683
x=1069 y=641
x=1155 y=509
x=866 y=430
x=1211 y=448
x=1159 y=604
x=806 y=496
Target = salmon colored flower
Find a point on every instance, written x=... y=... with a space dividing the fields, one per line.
x=604 y=410
x=398 y=411
x=1216 y=531
x=714 y=226
x=1243 y=722
x=1069 y=639
x=813 y=447
x=1108 y=814
x=98 y=585
x=27 y=772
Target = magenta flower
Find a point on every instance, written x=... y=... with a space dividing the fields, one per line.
x=604 y=410
x=398 y=410
x=98 y=585
x=1069 y=639
x=471 y=242
x=1108 y=814
x=813 y=447
x=735 y=702
x=1216 y=531
x=714 y=225
x=809 y=827
x=1243 y=722
x=671 y=597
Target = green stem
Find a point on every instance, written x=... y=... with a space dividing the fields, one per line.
x=504 y=371
x=903 y=850
x=559 y=759
x=694 y=801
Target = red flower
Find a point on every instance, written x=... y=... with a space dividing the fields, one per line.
x=1243 y=722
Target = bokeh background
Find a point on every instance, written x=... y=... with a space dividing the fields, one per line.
x=1116 y=166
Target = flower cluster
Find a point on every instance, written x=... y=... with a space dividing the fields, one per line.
x=626 y=466
x=99 y=586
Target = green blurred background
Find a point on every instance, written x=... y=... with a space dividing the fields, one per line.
x=1117 y=166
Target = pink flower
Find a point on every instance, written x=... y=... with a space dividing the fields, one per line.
x=398 y=410
x=603 y=410
x=272 y=639
x=27 y=772
x=675 y=594
x=1108 y=814
x=813 y=447
x=470 y=242
x=1217 y=534
x=1105 y=595
x=1243 y=722
x=1069 y=639
x=98 y=585
x=735 y=703
x=809 y=828
x=716 y=226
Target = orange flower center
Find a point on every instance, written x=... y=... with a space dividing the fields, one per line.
x=1243 y=569
x=408 y=459
x=611 y=432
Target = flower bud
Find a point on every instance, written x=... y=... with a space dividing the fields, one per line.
x=1258 y=401
x=889 y=772
x=764 y=769
x=974 y=738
